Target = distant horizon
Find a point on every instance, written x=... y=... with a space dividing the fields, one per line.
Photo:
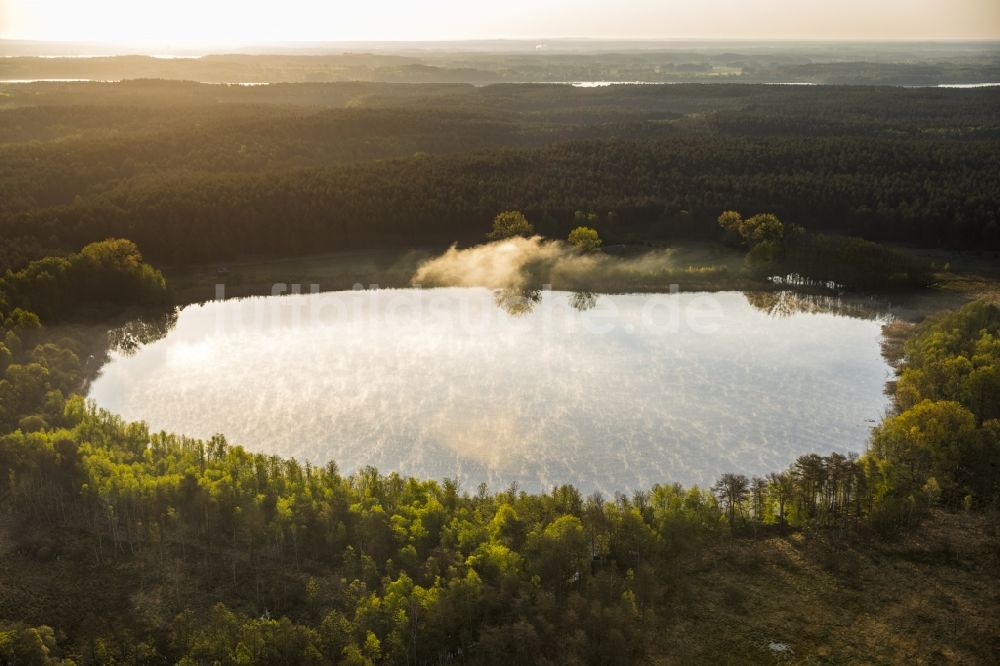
x=228 y=22
x=550 y=38
x=109 y=48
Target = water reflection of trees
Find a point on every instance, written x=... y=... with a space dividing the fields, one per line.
x=520 y=301
x=582 y=301
x=787 y=303
x=133 y=334
x=517 y=301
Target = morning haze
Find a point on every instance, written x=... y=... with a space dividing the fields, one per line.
x=226 y=22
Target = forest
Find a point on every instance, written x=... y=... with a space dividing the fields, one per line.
x=122 y=545
x=196 y=173
x=203 y=552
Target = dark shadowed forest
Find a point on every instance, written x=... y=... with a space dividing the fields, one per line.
x=195 y=172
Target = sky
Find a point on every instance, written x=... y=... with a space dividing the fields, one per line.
x=257 y=21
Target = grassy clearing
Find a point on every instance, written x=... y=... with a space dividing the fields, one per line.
x=930 y=598
x=965 y=274
x=395 y=267
x=695 y=254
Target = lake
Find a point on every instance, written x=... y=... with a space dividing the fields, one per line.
x=607 y=392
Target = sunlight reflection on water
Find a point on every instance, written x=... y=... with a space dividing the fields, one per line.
x=608 y=392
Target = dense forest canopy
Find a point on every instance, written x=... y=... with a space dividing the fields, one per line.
x=197 y=172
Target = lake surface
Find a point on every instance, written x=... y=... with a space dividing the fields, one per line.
x=608 y=392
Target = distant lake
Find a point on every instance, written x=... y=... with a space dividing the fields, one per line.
x=607 y=392
x=968 y=85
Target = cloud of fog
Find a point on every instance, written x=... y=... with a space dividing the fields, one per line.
x=530 y=262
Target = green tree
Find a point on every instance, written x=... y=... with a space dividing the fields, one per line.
x=781 y=487
x=506 y=527
x=30 y=646
x=585 y=239
x=732 y=491
x=562 y=548
x=762 y=228
x=510 y=223
x=930 y=440
x=731 y=220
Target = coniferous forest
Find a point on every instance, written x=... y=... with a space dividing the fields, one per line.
x=195 y=172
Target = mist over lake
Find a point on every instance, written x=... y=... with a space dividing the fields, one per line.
x=607 y=392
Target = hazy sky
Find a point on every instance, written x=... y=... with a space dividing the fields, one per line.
x=241 y=21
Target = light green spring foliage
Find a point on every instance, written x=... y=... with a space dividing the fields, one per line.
x=106 y=272
x=510 y=223
x=947 y=433
x=388 y=558
x=585 y=239
x=761 y=228
x=956 y=357
x=32 y=646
